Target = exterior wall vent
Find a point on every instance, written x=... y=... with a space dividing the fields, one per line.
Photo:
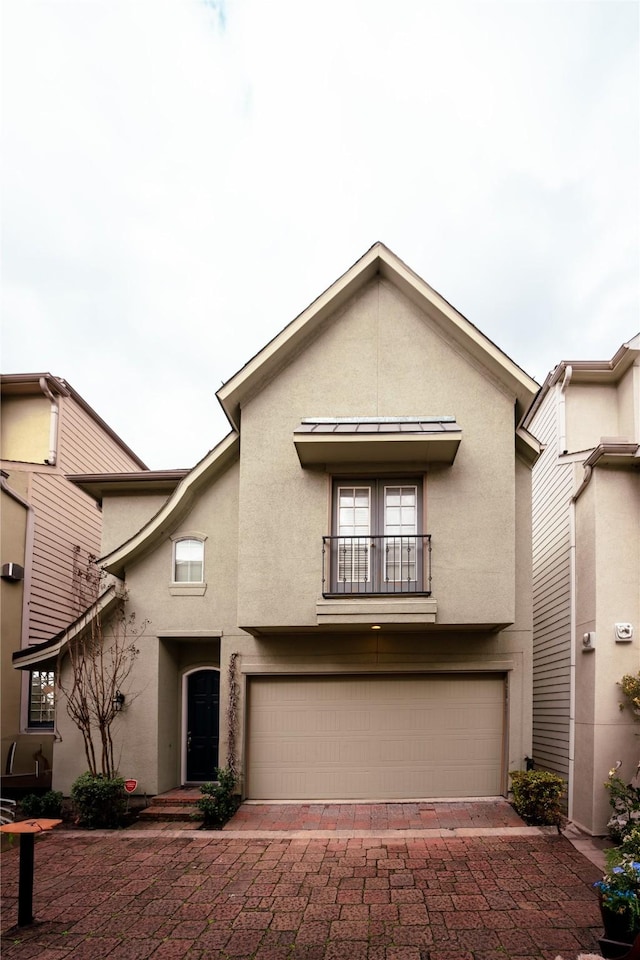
x=12 y=571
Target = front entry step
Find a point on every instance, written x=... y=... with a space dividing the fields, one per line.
x=175 y=805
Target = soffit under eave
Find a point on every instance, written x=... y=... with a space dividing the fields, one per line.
x=527 y=446
x=26 y=384
x=614 y=455
x=172 y=512
x=320 y=450
x=379 y=260
x=99 y=486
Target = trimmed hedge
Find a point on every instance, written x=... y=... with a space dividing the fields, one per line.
x=537 y=796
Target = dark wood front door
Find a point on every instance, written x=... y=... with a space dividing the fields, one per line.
x=203 y=724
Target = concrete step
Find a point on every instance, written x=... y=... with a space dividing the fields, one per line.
x=169 y=800
x=164 y=811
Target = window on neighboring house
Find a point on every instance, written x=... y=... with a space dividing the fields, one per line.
x=377 y=544
x=41 y=698
x=188 y=566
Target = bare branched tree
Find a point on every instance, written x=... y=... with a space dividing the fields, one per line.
x=100 y=660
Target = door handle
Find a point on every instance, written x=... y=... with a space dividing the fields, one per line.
x=189 y=740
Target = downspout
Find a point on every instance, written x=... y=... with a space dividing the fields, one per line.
x=562 y=449
x=588 y=471
x=562 y=416
x=53 y=424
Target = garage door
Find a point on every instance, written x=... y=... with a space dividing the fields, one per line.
x=375 y=737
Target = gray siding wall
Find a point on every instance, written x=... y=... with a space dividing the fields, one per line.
x=552 y=490
x=67 y=523
x=85 y=447
x=66 y=533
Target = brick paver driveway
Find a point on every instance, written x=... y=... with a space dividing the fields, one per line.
x=131 y=895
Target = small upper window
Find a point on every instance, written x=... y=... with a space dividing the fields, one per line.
x=188 y=561
x=41 y=698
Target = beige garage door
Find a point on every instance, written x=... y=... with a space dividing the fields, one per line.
x=368 y=737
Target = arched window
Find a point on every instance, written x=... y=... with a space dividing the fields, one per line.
x=188 y=562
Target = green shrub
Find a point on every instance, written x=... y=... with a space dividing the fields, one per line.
x=99 y=802
x=537 y=796
x=218 y=802
x=47 y=805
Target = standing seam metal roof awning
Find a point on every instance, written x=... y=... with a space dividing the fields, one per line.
x=321 y=440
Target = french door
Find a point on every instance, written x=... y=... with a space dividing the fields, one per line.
x=376 y=546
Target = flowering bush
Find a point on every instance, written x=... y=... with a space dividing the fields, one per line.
x=624 y=798
x=630 y=684
x=620 y=891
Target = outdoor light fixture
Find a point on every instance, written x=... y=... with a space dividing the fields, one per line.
x=375 y=626
x=118 y=701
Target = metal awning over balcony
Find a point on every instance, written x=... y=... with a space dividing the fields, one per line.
x=335 y=440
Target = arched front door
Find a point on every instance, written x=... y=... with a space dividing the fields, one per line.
x=203 y=724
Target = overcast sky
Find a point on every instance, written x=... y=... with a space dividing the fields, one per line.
x=182 y=178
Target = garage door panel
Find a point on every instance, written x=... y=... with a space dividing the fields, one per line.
x=375 y=737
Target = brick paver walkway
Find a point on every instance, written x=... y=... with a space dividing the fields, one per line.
x=476 y=814
x=130 y=896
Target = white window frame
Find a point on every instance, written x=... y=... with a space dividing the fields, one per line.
x=368 y=566
x=187 y=587
x=49 y=723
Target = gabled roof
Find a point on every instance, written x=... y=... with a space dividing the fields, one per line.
x=26 y=384
x=377 y=261
x=211 y=466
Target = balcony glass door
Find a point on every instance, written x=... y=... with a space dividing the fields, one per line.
x=376 y=547
x=354 y=532
x=400 y=563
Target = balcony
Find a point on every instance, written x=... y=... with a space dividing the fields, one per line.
x=376 y=566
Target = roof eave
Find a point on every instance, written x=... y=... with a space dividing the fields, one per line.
x=16 y=381
x=213 y=464
x=50 y=650
x=99 y=485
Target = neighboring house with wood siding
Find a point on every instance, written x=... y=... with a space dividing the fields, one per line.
x=586 y=574
x=339 y=593
x=50 y=532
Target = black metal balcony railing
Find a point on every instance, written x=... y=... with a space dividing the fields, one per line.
x=370 y=565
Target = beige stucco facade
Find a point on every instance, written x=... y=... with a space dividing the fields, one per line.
x=587 y=575
x=378 y=351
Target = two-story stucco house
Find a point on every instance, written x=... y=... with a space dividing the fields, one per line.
x=586 y=550
x=50 y=530
x=355 y=557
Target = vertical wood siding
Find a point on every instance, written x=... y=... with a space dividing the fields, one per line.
x=552 y=490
